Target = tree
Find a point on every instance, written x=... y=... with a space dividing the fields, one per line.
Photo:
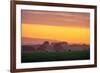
x=46 y=43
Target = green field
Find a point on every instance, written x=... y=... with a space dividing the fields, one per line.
x=54 y=56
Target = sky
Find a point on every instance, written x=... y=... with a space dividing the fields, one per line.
x=71 y=27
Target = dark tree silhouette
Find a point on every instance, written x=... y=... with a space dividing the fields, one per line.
x=46 y=43
x=69 y=50
x=44 y=46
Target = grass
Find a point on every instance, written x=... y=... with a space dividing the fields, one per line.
x=54 y=56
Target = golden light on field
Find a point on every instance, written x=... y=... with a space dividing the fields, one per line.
x=78 y=35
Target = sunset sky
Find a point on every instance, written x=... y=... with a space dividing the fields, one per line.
x=71 y=27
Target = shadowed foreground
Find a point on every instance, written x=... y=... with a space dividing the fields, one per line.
x=54 y=56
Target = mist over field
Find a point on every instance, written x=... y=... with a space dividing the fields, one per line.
x=54 y=47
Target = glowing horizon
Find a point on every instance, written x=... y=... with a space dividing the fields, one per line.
x=67 y=34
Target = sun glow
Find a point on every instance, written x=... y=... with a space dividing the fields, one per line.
x=78 y=35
